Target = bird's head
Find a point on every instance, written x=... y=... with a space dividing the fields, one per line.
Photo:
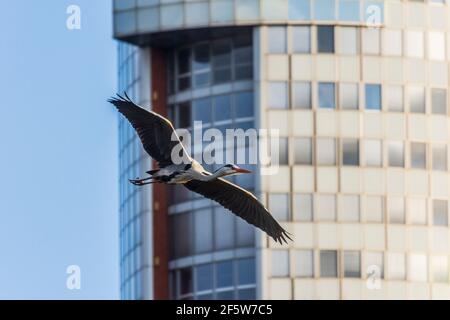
x=231 y=169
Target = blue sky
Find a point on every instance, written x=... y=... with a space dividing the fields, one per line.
x=58 y=160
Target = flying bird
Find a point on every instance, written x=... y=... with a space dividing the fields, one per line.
x=156 y=133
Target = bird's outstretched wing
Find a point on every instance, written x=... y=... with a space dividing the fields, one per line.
x=154 y=130
x=240 y=202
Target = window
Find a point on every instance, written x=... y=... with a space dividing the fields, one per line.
x=224 y=274
x=350 y=152
x=324 y=10
x=303 y=207
x=414 y=44
x=439 y=265
x=278 y=95
x=326 y=152
x=440 y=213
x=186 y=281
x=325 y=39
x=417 y=210
x=246 y=271
x=277 y=40
x=301 y=95
x=395 y=98
x=325 y=208
x=202 y=110
x=349 y=208
x=392 y=44
x=374 y=206
x=417 y=99
x=348 y=40
x=301 y=39
x=243 y=105
x=327 y=96
x=182 y=227
x=440 y=157
x=279 y=263
x=352 y=264
x=279 y=206
x=396 y=154
x=299 y=9
x=439 y=101
x=418 y=155
x=328 y=263
x=396 y=266
x=373 y=97
x=303 y=151
x=243 y=57
x=396 y=209
x=222 y=61
x=436 y=45
x=283 y=152
x=348 y=97
x=184 y=68
x=373 y=153
x=203 y=239
x=375 y=260
x=202 y=65
x=222 y=108
x=304 y=263
x=223 y=229
x=371 y=41
x=349 y=10
x=204 y=277
x=417 y=267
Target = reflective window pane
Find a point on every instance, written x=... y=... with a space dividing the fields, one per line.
x=439 y=157
x=349 y=96
x=223 y=229
x=373 y=96
x=417 y=210
x=326 y=152
x=396 y=267
x=203 y=239
x=374 y=209
x=370 y=41
x=414 y=44
x=303 y=151
x=350 y=152
x=395 y=98
x=202 y=110
x=324 y=10
x=246 y=271
x=418 y=155
x=279 y=206
x=436 y=45
x=243 y=104
x=348 y=40
x=325 y=208
x=416 y=99
x=299 y=9
x=278 y=95
x=304 y=263
x=352 y=264
x=440 y=213
x=325 y=39
x=204 y=277
x=328 y=264
x=392 y=42
x=439 y=265
x=222 y=108
x=349 y=10
x=417 y=267
x=277 y=40
x=283 y=152
x=279 y=263
x=301 y=39
x=373 y=153
x=301 y=95
x=396 y=210
x=396 y=154
x=349 y=208
x=439 y=101
x=327 y=96
x=303 y=207
x=224 y=274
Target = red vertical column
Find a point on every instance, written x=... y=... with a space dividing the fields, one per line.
x=160 y=195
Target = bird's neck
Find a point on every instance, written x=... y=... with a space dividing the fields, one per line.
x=212 y=176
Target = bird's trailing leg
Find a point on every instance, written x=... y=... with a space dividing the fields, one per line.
x=141 y=182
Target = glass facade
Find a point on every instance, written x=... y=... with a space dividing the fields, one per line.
x=211 y=82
